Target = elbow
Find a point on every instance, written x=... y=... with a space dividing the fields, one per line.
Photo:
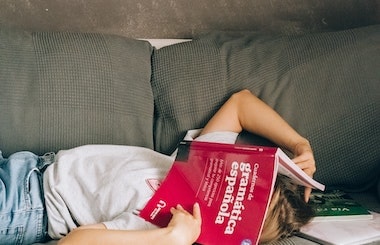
x=73 y=237
x=239 y=99
x=244 y=93
x=237 y=103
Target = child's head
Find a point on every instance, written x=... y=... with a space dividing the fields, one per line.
x=287 y=211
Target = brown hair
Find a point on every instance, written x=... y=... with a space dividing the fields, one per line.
x=287 y=211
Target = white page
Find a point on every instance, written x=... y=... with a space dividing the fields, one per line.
x=345 y=232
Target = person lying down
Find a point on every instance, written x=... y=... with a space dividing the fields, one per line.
x=92 y=194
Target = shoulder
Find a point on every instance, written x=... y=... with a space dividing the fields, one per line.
x=217 y=136
x=227 y=137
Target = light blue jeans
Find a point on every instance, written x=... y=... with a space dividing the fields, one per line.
x=23 y=218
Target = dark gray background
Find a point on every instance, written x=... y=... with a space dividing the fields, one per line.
x=187 y=18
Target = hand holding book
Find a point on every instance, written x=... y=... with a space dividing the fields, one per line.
x=304 y=159
x=233 y=185
x=181 y=222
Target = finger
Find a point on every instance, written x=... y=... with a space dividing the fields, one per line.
x=303 y=156
x=308 y=166
x=309 y=171
x=300 y=158
x=308 y=163
x=173 y=210
x=197 y=211
x=307 y=194
x=179 y=207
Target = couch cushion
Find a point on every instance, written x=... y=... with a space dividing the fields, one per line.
x=61 y=90
x=326 y=85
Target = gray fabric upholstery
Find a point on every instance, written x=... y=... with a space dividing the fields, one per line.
x=188 y=86
x=325 y=85
x=60 y=90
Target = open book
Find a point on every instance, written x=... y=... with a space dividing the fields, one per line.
x=232 y=184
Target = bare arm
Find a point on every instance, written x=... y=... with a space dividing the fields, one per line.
x=245 y=111
x=183 y=229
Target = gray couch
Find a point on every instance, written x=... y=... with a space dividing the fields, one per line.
x=60 y=90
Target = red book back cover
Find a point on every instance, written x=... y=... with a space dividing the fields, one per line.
x=231 y=183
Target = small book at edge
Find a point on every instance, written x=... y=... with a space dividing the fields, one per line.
x=232 y=184
x=336 y=205
x=353 y=232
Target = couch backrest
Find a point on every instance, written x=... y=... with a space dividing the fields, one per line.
x=325 y=85
x=61 y=90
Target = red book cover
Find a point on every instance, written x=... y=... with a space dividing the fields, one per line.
x=231 y=183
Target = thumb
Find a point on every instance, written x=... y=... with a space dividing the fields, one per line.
x=197 y=211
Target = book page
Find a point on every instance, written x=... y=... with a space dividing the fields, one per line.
x=344 y=232
x=288 y=168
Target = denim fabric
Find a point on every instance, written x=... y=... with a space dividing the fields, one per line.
x=23 y=217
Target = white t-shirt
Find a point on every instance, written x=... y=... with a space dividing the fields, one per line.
x=107 y=183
